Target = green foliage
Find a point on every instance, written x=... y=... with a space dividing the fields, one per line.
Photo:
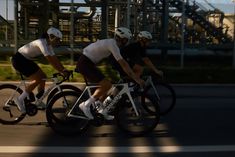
x=195 y=74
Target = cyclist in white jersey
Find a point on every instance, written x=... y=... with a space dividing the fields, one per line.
x=93 y=54
x=23 y=62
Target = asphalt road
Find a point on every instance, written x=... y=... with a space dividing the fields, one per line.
x=201 y=124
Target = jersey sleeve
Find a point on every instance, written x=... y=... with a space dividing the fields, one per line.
x=45 y=49
x=115 y=51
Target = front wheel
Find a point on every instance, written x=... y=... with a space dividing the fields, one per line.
x=9 y=113
x=57 y=110
x=137 y=125
x=163 y=95
x=64 y=87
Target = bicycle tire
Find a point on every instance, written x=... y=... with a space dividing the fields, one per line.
x=57 y=118
x=12 y=115
x=63 y=87
x=134 y=125
x=166 y=94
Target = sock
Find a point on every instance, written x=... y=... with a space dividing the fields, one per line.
x=23 y=96
x=89 y=101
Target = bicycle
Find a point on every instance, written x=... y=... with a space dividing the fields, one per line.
x=158 y=91
x=65 y=117
x=9 y=113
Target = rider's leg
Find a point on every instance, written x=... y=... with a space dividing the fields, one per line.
x=37 y=78
x=101 y=92
x=105 y=85
x=138 y=69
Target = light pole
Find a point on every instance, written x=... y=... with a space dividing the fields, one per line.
x=233 y=35
x=72 y=31
x=182 y=34
x=6 y=34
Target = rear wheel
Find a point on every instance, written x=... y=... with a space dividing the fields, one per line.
x=9 y=113
x=57 y=111
x=137 y=125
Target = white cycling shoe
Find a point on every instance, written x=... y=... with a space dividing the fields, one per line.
x=86 y=110
x=105 y=114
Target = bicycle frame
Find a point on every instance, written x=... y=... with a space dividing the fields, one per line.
x=150 y=81
x=52 y=86
x=40 y=100
x=117 y=97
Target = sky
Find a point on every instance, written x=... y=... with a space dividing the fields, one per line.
x=228 y=8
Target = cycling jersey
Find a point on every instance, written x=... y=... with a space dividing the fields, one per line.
x=102 y=49
x=36 y=48
x=134 y=53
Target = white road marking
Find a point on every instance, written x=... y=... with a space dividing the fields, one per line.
x=107 y=149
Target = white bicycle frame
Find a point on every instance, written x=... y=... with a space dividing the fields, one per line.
x=54 y=85
x=117 y=97
x=150 y=81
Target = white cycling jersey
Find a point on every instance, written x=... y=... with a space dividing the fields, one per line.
x=102 y=49
x=36 y=48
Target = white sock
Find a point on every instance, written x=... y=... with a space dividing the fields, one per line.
x=89 y=101
x=23 y=96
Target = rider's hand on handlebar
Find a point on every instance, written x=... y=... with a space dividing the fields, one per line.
x=159 y=73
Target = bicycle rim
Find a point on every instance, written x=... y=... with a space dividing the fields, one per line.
x=64 y=87
x=135 y=125
x=165 y=97
x=9 y=113
x=57 y=118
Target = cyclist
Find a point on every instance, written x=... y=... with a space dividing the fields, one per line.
x=135 y=55
x=23 y=62
x=93 y=54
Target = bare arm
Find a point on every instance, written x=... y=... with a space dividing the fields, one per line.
x=148 y=62
x=125 y=66
x=53 y=60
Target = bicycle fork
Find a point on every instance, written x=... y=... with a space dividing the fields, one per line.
x=149 y=81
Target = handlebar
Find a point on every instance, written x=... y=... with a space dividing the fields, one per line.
x=64 y=78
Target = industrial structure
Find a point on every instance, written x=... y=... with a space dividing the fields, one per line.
x=173 y=23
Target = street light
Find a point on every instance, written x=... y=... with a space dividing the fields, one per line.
x=233 y=36
x=182 y=33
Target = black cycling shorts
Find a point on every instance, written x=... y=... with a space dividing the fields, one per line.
x=89 y=70
x=23 y=65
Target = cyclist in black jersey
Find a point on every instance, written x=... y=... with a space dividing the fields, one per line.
x=135 y=55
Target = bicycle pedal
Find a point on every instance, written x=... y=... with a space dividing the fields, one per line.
x=6 y=108
x=31 y=109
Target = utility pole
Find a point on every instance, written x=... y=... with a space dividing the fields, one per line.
x=182 y=34
x=72 y=32
x=16 y=26
x=6 y=34
x=233 y=35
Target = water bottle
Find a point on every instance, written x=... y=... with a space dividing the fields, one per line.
x=107 y=101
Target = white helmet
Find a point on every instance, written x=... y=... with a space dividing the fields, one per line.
x=145 y=34
x=54 y=32
x=123 y=32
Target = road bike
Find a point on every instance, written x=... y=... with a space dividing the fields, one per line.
x=158 y=91
x=9 y=113
x=65 y=117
